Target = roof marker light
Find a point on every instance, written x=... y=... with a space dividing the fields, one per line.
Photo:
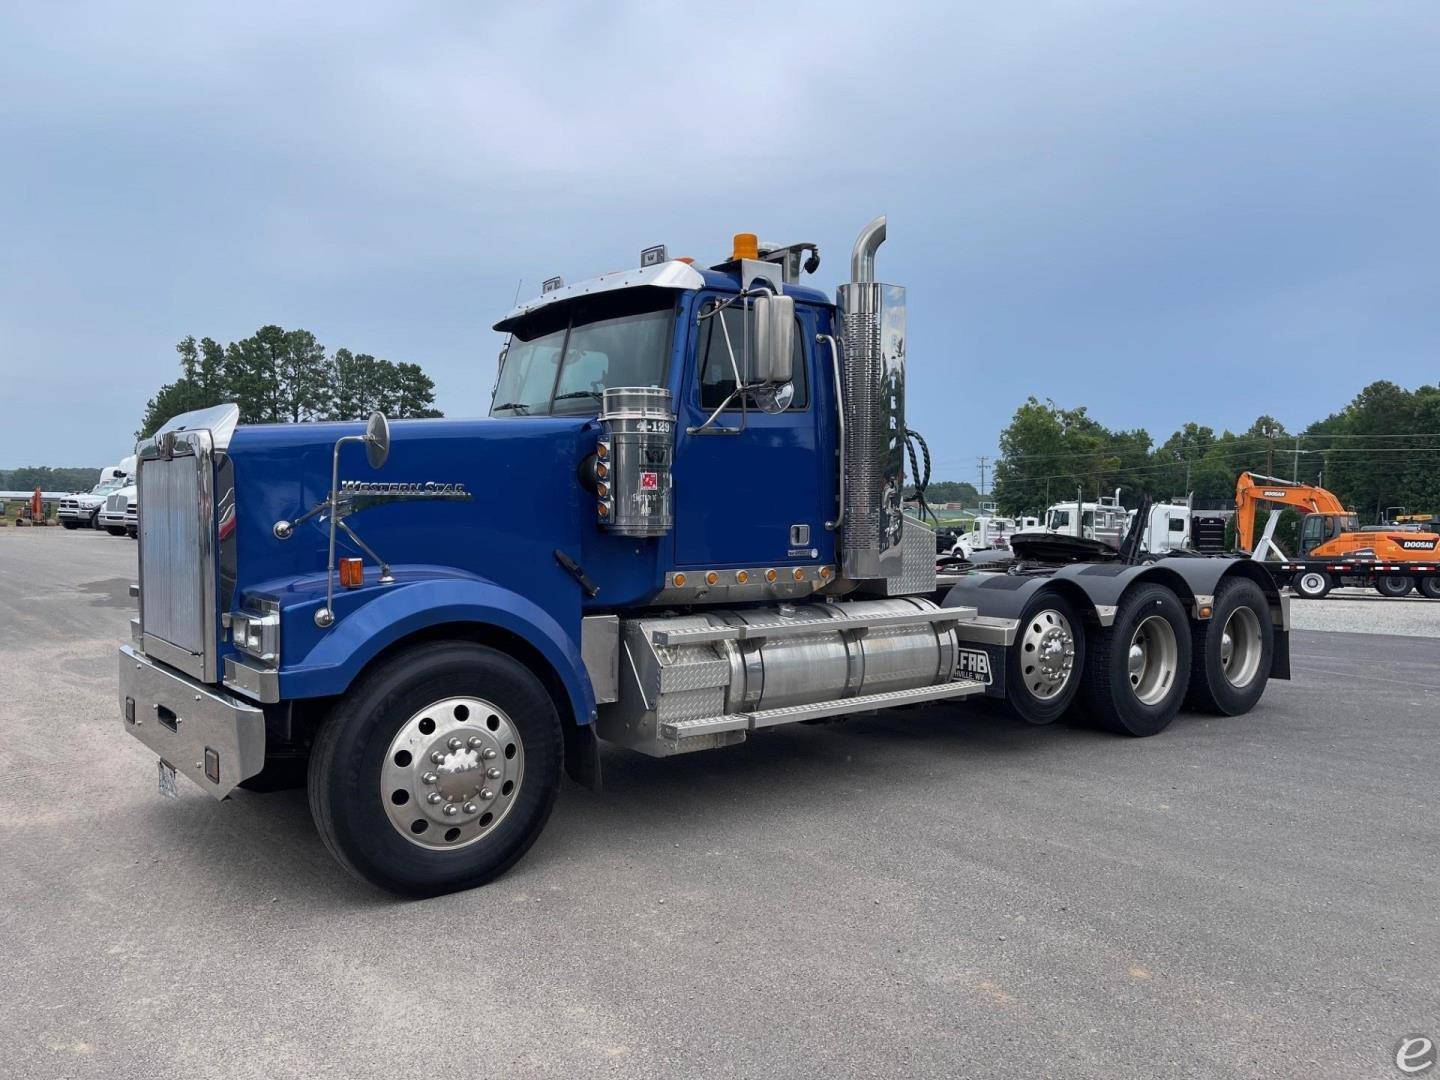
x=746 y=246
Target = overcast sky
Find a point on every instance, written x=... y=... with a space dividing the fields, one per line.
x=1164 y=211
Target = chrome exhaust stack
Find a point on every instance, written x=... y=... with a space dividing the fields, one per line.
x=872 y=327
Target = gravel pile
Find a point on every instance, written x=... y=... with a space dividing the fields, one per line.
x=1364 y=611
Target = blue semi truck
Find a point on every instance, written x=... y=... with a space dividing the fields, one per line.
x=680 y=524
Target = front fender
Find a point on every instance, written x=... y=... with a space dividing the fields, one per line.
x=361 y=634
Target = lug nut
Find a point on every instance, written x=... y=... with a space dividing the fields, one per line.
x=488 y=753
x=436 y=756
x=470 y=808
x=429 y=778
x=475 y=742
x=455 y=744
x=450 y=810
x=486 y=794
x=433 y=798
x=493 y=773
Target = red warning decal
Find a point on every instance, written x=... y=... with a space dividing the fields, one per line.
x=649 y=481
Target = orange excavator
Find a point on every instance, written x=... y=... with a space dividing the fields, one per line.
x=1333 y=548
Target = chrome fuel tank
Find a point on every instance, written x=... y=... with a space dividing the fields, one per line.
x=744 y=662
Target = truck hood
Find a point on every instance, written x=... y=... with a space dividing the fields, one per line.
x=493 y=498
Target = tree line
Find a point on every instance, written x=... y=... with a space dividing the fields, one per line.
x=280 y=376
x=47 y=478
x=1380 y=450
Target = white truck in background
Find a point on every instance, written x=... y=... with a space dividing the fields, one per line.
x=82 y=509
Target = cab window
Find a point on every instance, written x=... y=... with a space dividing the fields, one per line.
x=717 y=377
x=561 y=359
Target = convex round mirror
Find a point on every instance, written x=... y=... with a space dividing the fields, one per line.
x=775 y=398
x=377 y=440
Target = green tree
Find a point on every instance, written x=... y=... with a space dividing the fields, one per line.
x=280 y=376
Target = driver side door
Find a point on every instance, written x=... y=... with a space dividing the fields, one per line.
x=752 y=489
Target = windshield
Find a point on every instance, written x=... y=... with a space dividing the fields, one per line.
x=559 y=363
x=107 y=486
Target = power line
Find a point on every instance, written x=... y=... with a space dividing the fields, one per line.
x=1238 y=455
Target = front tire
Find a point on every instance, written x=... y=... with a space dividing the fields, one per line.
x=70 y=525
x=1043 y=670
x=1137 y=672
x=115 y=530
x=1312 y=585
x=1233 y=651
x=437 y=770
x=1394 y=585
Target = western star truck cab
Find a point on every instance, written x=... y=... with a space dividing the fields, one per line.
x=679 y=525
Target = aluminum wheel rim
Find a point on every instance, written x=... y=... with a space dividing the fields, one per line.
x=1047 y=654
x=452 y=773
x=1240 y=647
x=1154 y=656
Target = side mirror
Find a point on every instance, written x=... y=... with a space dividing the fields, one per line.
x=774 y=339
x=377 y=440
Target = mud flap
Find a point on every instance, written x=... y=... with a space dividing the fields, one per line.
x=582 y=755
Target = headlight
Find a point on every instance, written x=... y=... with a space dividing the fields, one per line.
x=258 y=635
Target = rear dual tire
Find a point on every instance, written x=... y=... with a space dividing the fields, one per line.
x=1233 y=651
x=1394 y=585
x=1138 y=669
x=1429 y=587
x=1044 y=668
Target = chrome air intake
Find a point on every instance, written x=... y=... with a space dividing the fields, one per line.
x=872 y=327
x=632 y=462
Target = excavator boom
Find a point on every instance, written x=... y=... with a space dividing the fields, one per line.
x=1251 y=489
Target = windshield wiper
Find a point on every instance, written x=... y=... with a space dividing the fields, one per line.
x=512 y=405
x=578 y=394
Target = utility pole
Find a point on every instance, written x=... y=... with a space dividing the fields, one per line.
x=1270 y=450
x=1295 y=473
x=1187 y=474
x=983 y=461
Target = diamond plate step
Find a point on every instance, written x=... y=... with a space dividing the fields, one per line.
x=712 y=725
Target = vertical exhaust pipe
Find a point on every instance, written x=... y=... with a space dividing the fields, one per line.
x=862 y=256
x=872 y=325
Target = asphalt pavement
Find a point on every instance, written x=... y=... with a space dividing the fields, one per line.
x=938 y=892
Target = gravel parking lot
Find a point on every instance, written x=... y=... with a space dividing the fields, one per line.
x=1364 y=611
x=938 y=892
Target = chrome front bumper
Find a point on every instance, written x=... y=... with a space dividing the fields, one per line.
x=215 y=739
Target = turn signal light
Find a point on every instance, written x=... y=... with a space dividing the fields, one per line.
x=770 y=576
x=825 y=572
x=712 y=578
x=747 y=246
x=679 y=581
x=352 y=573
x=799 y=573
x=742 y=577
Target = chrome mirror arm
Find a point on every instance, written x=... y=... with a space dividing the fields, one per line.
x=326 y=616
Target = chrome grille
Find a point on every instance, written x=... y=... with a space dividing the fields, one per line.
x=173 y=550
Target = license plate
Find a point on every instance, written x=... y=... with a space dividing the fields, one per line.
x=167 y=780
x=975 y=664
